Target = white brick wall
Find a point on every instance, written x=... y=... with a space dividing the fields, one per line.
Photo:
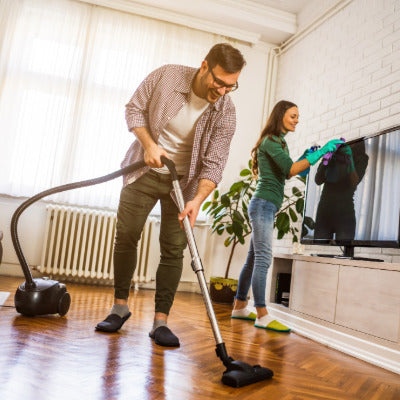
x=345 y=78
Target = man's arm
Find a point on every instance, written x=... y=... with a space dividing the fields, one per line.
x=192 y=207
x=152 y=152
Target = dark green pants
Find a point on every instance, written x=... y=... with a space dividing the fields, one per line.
x=136 y=201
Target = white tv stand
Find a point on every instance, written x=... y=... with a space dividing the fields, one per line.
x=350 y=305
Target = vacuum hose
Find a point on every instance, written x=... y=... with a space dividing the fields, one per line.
x=35 y=296
x=62 y=188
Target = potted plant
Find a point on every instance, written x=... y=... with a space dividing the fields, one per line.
x=229 y=215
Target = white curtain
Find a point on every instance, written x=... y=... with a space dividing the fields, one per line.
x=377 y=199
x=67 y=69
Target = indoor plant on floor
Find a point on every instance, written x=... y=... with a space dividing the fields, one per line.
x=229 y=215
x=228 y=212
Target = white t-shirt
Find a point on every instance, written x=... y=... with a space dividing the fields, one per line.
x=177 y=137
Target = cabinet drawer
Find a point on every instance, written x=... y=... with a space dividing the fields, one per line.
x=314 y=289
x=369 y=301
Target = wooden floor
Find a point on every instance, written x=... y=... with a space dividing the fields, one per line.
x=64 y=358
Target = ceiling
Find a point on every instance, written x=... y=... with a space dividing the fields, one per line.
x=271 y=21
x=292 y=6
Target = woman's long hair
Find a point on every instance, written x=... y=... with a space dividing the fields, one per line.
x=273 y=129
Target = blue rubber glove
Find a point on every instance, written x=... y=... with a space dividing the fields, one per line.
x=330 y=146
x=306 y=153
x=304 y=173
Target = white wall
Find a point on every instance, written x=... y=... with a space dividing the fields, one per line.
x=344 y=76
x=249 y=101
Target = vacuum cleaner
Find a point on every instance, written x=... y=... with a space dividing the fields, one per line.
x=45 y=296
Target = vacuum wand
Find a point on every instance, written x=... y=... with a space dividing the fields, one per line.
x=237 y=373
x=196 y=261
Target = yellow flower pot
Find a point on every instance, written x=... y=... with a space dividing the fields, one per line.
x=223 y=290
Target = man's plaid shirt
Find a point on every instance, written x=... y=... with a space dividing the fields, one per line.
x=157 y=100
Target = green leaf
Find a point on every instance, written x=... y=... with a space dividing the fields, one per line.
x=293 y=215
x=294 y=239
x=216 y=194
x=214 y=212
x=309 y=222
x=206 y=205
x=221 y=213
x=217 y=219
x=225 y=200
x=245 y=172
x=237 y=216
x=237 y=228
x=297 y=192
x=281 y=234
x=236 y=187
x=300 y=205
x=228 y=241
x=219 y=229
x=214 y=204
x=283 y=222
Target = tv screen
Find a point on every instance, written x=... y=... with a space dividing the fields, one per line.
x=353 y=199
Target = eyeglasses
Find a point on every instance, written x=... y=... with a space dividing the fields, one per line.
x=218 y=83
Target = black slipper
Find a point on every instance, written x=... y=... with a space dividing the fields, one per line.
x=164 y=337
x=112 y=323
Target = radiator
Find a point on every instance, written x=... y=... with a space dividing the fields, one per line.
x=78 y=246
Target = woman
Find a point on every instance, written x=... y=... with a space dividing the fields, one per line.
x=272 y=165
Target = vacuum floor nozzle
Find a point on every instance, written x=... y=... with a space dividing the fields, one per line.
x=240 y=374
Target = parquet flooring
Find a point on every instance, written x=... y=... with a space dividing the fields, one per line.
x=53 y=357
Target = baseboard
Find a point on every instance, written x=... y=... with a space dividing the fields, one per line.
x=11 y=270
x=192 y=287
x=7 y=269
x=387 y=357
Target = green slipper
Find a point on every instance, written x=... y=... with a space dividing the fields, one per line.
x=244 y=313
x=267 y=322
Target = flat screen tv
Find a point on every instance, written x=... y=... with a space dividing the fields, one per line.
x=355 y=202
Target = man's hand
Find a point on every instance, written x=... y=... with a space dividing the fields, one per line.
x=152 y=152
x=191 y=210
x=192 y=207
x=152 y=156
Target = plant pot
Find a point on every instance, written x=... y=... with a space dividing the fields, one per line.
x=222 y=290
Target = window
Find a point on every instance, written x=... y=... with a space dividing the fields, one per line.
x=67 y=69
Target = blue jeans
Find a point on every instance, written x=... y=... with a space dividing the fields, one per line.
x=262 y=214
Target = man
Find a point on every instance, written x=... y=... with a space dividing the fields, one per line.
x=184 y=114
